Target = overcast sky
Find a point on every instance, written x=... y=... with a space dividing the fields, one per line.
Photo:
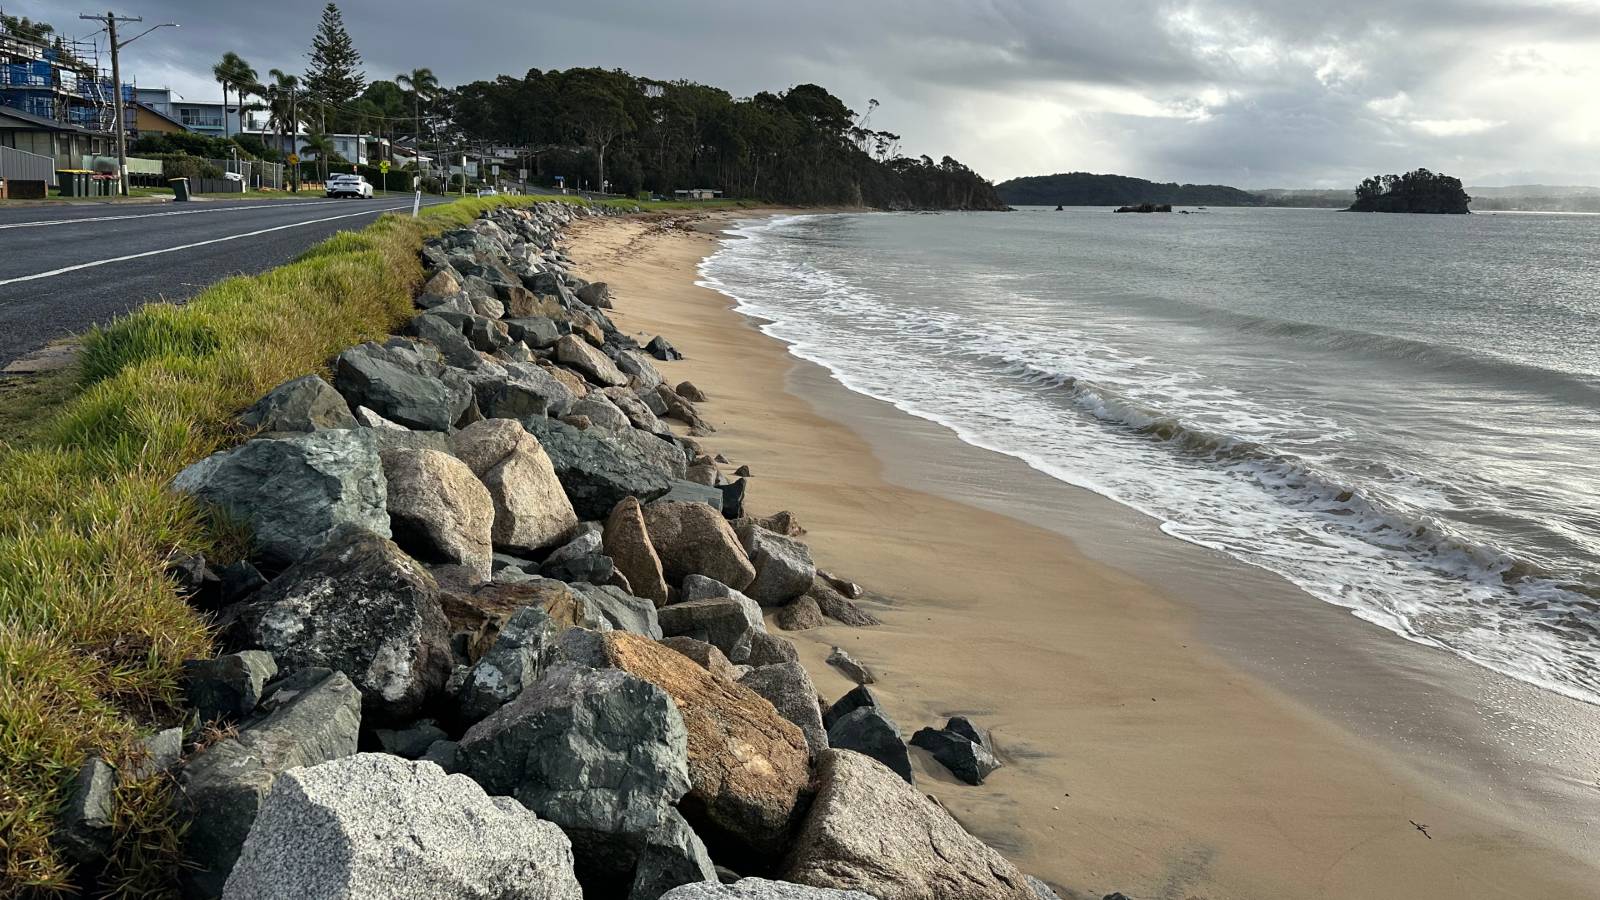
x=1253 y=93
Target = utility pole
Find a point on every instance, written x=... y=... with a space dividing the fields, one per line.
x=111 y=19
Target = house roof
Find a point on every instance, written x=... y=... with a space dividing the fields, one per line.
x=29 y=121
x=159 y=114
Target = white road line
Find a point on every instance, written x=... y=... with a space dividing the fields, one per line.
x=232 y=237
x=187 y=212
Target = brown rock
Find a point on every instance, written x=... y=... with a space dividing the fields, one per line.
x=522 y=303
x=595 y=366
x=693 y=539
x=531 y=511
x=688 y=391
x=573 y=381
x=846 y=588
x=628 y=544
x=748 y=766
x=581 y=423
x=709 y=657
x=439 y=512
x=802 y=613
x=869 y=830
x=482 y=611
x=443 y=283
x=682 y=410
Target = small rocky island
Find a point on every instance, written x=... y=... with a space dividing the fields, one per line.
x=1146 y=208
x=1414 y=192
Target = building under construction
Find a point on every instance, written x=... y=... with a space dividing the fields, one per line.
x=55 y=99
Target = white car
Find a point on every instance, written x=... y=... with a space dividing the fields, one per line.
x=349 y=186
x=488 y=192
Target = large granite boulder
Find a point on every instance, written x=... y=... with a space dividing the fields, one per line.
x=439 y=512
x=600 y=411
x=869 y=830
x=635 y=409
x=596 y=366
x=693 y=539
x=601 y=753
x=306 y=403
x=628 y=544
x=294 y=492
x=748 y=766
x=228 y=687
x=762 y=889
x=654 y=449
x=444 y=330
x=531 y=508
x=402 y=385
x=309 y=717
x=638 y=367
x=362 y=607
x=383 y=828
x=622 y=610
x=788 y=687
x=595 y=472
x=783 y=565
x=673 y=855
x=538 y=332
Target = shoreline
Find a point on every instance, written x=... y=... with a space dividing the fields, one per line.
x=1121 y=714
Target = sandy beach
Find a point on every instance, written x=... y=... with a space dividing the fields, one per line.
x=1144 y=753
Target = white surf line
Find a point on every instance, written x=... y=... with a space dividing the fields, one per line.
x=186 y=212
x=232 y=237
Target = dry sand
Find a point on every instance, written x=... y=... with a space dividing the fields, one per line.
x=1139 y=759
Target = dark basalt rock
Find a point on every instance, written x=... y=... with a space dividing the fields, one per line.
x=596 y=472
x=870 y=731
x=402 y=386
x=967 y=760
x=662 y=349
x=228 y=687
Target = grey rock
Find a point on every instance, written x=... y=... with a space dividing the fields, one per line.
x=784 y=569
x=624 y=611
x=726 y=623
x=653 y=449
x=595 y=472
x=706 y=474
x=733 y=498
x=788 y=687
x=869 y=830
x=851 y=669
x=596 y=568
x=439 y=512
x=673 y=855
x=685 y=491
x=362 y=607
x=846 y=588
x=412 y=742
x=1044 y=892
x=524 y=391
x=662 y=349
x=708 y=657
x=601 y=753
x=228 y=687
x=770 y=649
x=314 y=716
x=319 y=482
x=517 y=352
x=366 y=418
x=444 y=331
x=401 y=386
x=800 y=614
x=380 y=827
x=639 y=369
x=599 y=410
x=84 y=830
x=762 y=889
x=966 y=759
x=305 y=404
x=963 y=726
x=635 y=409
x=585 y=540
x=869 y=730
x=857 y=698
x=486 y=334
x=519 y=655
x=159 y=752
x=835 y=606
x=688 y=391
x=682 y=410
x=445 y=755
x=537 y=332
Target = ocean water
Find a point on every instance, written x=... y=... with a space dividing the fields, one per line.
x=1399 y=414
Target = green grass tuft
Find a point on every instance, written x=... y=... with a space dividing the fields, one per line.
x=92 y=632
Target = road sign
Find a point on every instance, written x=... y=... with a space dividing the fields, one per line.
x=384 y=167
x=496 y=168
x=294 y=159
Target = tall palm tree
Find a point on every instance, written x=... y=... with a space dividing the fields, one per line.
x=423 y=85
x=233 y=72
x=281 y=101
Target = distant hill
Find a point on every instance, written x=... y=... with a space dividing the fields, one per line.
x=1086 y=189
x=1307 y=197
x=1540 y=197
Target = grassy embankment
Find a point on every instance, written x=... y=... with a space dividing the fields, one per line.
x=92 y=633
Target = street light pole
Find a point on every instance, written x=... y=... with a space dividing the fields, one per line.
x=111 y=19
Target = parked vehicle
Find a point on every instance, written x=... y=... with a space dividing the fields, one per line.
x=349 y=186
x=488 y=192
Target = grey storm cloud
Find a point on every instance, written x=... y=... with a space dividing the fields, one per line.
x=1257 y=93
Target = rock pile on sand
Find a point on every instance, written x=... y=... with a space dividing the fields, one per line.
x=502 y=634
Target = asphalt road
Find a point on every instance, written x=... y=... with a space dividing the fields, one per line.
x=65 y=269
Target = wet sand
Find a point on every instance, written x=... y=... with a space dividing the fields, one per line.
x=1195 y=731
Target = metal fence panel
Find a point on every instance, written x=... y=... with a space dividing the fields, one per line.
x=25 y=166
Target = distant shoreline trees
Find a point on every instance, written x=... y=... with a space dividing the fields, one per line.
x=1419 y=191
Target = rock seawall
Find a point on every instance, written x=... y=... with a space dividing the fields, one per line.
x=496 y=554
